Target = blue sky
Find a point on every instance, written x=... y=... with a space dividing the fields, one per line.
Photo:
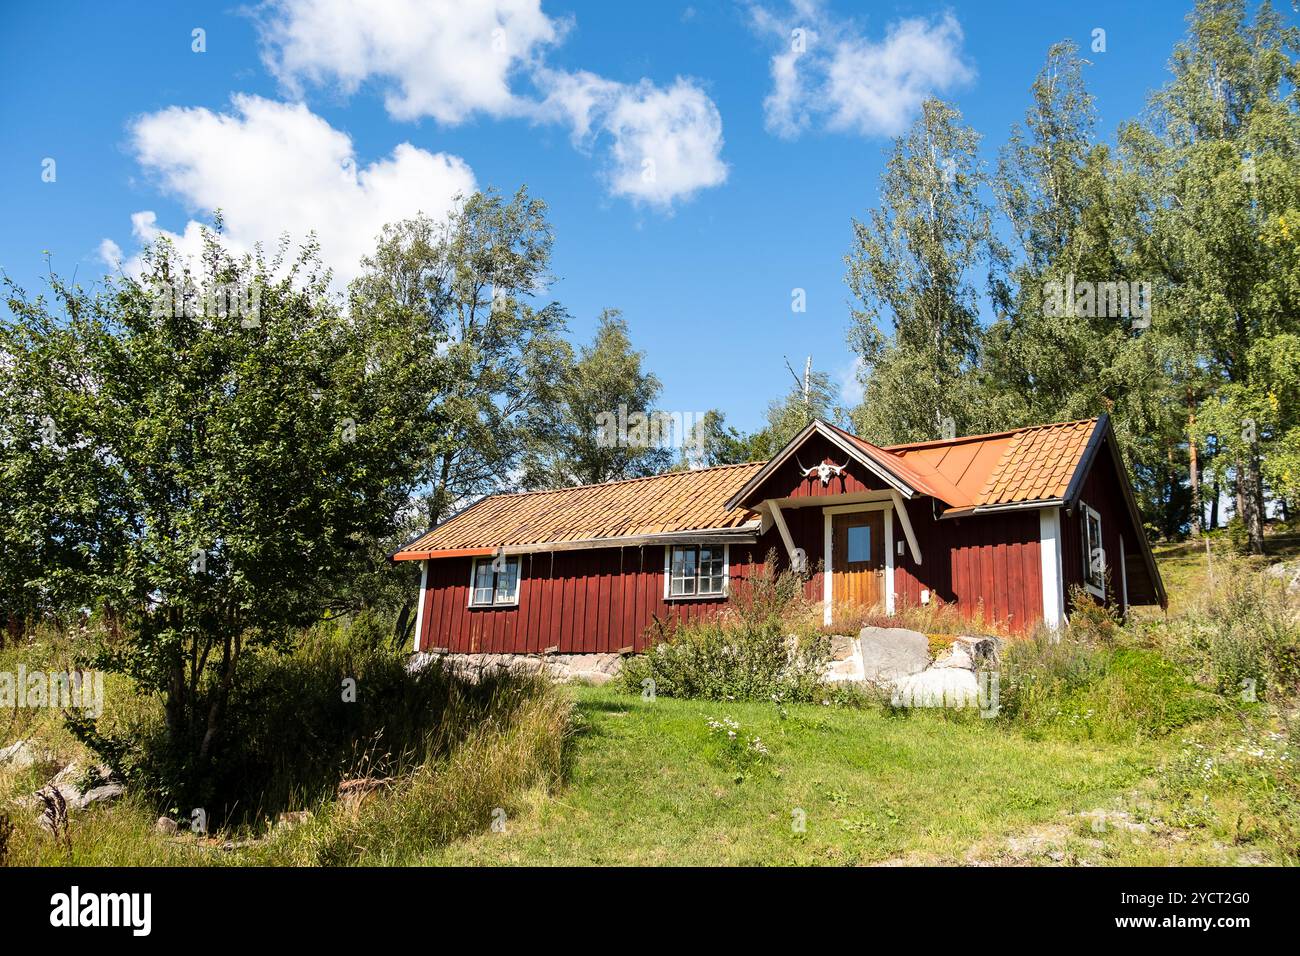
x=749 y=193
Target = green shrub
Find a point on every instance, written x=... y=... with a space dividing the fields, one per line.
x=1243 y=639
x=763 y=646
x=1074 y=685
x=339 y=702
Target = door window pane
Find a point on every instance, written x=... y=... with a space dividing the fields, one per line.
x=859 y=543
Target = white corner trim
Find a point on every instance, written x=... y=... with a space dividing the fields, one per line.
x=1049 y=551
x=828 y=576
x=419 y=608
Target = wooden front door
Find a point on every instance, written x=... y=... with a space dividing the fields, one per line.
x=858 y=559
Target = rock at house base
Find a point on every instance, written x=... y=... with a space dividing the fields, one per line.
x=166 y=826
x=889 y=653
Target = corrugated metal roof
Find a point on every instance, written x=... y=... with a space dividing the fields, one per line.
x=979 y=471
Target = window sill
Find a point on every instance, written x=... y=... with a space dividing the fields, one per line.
x=720 y=596
x=492 y=607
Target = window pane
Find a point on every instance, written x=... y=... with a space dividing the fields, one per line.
x=508 y=582
x=860 y=543
x=1096 y=569
x=482 y=582
x=711 y=585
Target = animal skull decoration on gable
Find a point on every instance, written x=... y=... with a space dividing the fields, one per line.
x=823 y=470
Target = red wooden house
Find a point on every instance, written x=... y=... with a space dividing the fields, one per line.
x=1003 y=525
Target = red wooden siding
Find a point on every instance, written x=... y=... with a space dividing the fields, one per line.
x=990 y=563
x=580 y=602
x=788 y=480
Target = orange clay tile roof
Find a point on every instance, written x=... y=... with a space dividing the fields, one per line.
x=1025 y=465
x=1029 y=464
x=674 y=502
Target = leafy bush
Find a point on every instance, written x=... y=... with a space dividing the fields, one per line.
x=763 y=646
x=1243 y=639
x=1077 y=685
x=340 y=701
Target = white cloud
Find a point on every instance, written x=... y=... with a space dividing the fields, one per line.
x=274 y=168
x=455 y=58
x=110 y=253
x=447 y=59
x=664 y=144
x=850 y=378
x=827 y=69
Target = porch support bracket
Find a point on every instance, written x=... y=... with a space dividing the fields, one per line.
x=900 y=509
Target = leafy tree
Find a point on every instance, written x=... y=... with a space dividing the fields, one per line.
x=1219 y=153
x=496 y=358
x=601 y=424
x=225 y=441
x=717 y=443
x=910 y=266
x=1076 y=217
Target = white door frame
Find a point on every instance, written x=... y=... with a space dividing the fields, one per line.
x=828 y=578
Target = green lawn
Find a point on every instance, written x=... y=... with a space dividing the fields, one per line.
x=648 y=786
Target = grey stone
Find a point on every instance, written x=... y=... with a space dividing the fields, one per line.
x=842 y=647
x=105 y=794
x=19 y=756
x=958 y=656
x=892 y=652
x=937 y=687
x=166 y=826
x=983 y=648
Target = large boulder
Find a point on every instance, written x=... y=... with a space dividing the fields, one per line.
x=889 y=653
x=937 y=687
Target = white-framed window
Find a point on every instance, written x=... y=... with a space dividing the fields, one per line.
x=494 y=582
x=1094 y=555
x=695 y=571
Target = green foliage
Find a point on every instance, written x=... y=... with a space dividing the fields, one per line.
x=762 y=647
x=1242 y=638
x=909 y=268
x=216 y=473
x=601 y=424
x=339 y=702
x=1084 y=683
x=494 y=359
x=509 y=745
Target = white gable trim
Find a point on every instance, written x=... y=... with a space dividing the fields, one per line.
x=820 y=427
